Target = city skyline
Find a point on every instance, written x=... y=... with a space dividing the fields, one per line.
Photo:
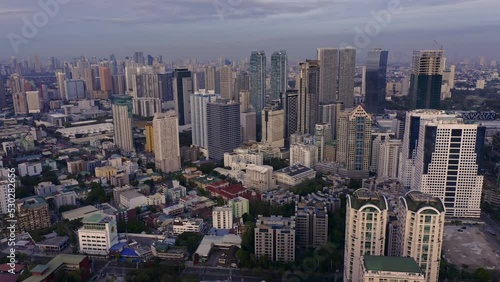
x=173 y=29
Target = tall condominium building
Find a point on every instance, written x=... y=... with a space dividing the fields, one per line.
x=20 y=103
x=209 y=78
x=273 y=126
x=32 y=213
x=146 y=107
x=139 y=58
x=347 y=67
x=3 y=101
x=258 y=85
x=146 y=85
x=106 y=79
x=150 y=139
x=366 y=220
x=166 y=136
x=388 y=159
x=291 y=105
x=410 y=137
x=74 y=89
x=260 y=177
x=119 y=84
x=354 y=141
x=421 y=220
x=304 y=154
x=98 y=234
x=329 y=64
x=226 y=82
x=275 y=238
x=380 y=269
x=183 y=88
x=447 y=164
x=279 y=74
x=378 y=138
x=328 y=113
x=222 y=217
x=311 y=224
x=426 y=79
x=308 y=96
x=240 y=206
x=376 y=81
x=242 y=82
x=224 y=128
x=166 y=86
x=90 y=82
x=34 y=101
x=122 y=123
x=60 y=77
x=322 y=135
x=199 y=121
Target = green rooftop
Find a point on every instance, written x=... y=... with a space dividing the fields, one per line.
x=392 y=264
x=415 y=201
x=362 y=197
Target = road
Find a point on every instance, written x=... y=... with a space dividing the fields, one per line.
x=221 y=274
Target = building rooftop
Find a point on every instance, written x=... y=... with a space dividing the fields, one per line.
x=55 y=241
x=97 y=218
x=131 y=194
x=53 y=265
x=295 y=170
x=392 y=264
x=33 y=202
x=362 y=197
x=415 y=201
x=79 y=212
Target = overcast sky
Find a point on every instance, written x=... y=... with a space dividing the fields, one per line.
x=233 y=28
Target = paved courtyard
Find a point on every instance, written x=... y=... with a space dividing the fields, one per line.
x=473 y=246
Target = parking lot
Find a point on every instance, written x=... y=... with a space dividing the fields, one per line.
x=472 y=246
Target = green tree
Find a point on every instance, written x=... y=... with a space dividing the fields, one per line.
x=482 y=275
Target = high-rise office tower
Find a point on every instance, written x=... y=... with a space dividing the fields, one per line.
x=119 y=84
x=226 y=82
x=328 y=113
x=426 y=79
x=354 y=141
x=224 y=129
x=183 y=88
x=275 y=238
x=166 y=86
x=199 y=103
x=3 y=102
x=247 y=117
x=363 y=81
x=89 y=78
x=209 y=78
x=242 y=82
x=139 y=58
x=146 y=85
x=33 y=101
x=388 y=160
x=322 y=135
x=291 y=105
x=122 y=123
x=308 y=96
x=421 y=220
x=258 y=85
x=329 y=64
x=217 y=81
x=377 y=138
x=74 y=89
x=447 y=164
x=347 y=68
x=150 y=137
x=376 y=81
x=166 y=136
x=146 y=107
x=105 y=79
x=311 y=224
x=273 y=126
x=20 y=103
x=60 y=77
x=279 y=74
x=366 y=220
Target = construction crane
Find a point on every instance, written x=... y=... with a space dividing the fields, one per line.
x=437 y=43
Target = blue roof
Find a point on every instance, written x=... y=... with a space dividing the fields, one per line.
x=127 y=252
x=27 y=158
x=117 y=247
x=218 y=232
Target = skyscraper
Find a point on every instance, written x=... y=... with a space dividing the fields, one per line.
x=33 y=101
x=20 y=103
x=60 y=76
x=209 y=78
x=3 y=102
x=354 y=142
x=388 y=161
x=292 y=107
x=166 y=142
x=366 y=220
x=166 y=86
x=74 y=89
x=273 y=126
x=258 y=85
x=150 y=137
x=183 y=88
x=89 y=78
x=447 y=164
x=199 y=103
x=308 y=96
x=329 y=64
x=347 y=67
x=421 y=220
x=376 y=81
x=329 y=113
x=426 y=79
x=226 y=82
x=247 y=117
x=122 y=123
x=138 y=58
x=119 y=85
x=279 y=74
x=105 y=78
x=224 y=129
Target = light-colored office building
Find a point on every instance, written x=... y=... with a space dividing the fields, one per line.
x=260 y=177
x=304 y=154
x=166 y=135
x=388 y=161
x=366 y=220
x=132 y=199
x=74 y=89
x=226 y=82
x=181 y=225
x=273 y=127
x=293 y=175
x=222 y=217
x=34 y=102
x=421 y=219
x=199 y=103
x=122 y=123
x=239 y=159
x=275 y=238
x=98 y=234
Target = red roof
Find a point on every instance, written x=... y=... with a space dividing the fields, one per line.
x=234 y=189
x=5 y=267
x=219 y=184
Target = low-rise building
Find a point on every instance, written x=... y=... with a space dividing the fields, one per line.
x=174 y=210
x=63 y=262
x=31 y=169
x=260 y=177
x=65 y=199
x=45 y=188
x=132 y=199
x=77 y=166
x=155 y=200
x=187 y=225
x=55 y=244
x=32 y=213
x=79 y=213
x=293 y=175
